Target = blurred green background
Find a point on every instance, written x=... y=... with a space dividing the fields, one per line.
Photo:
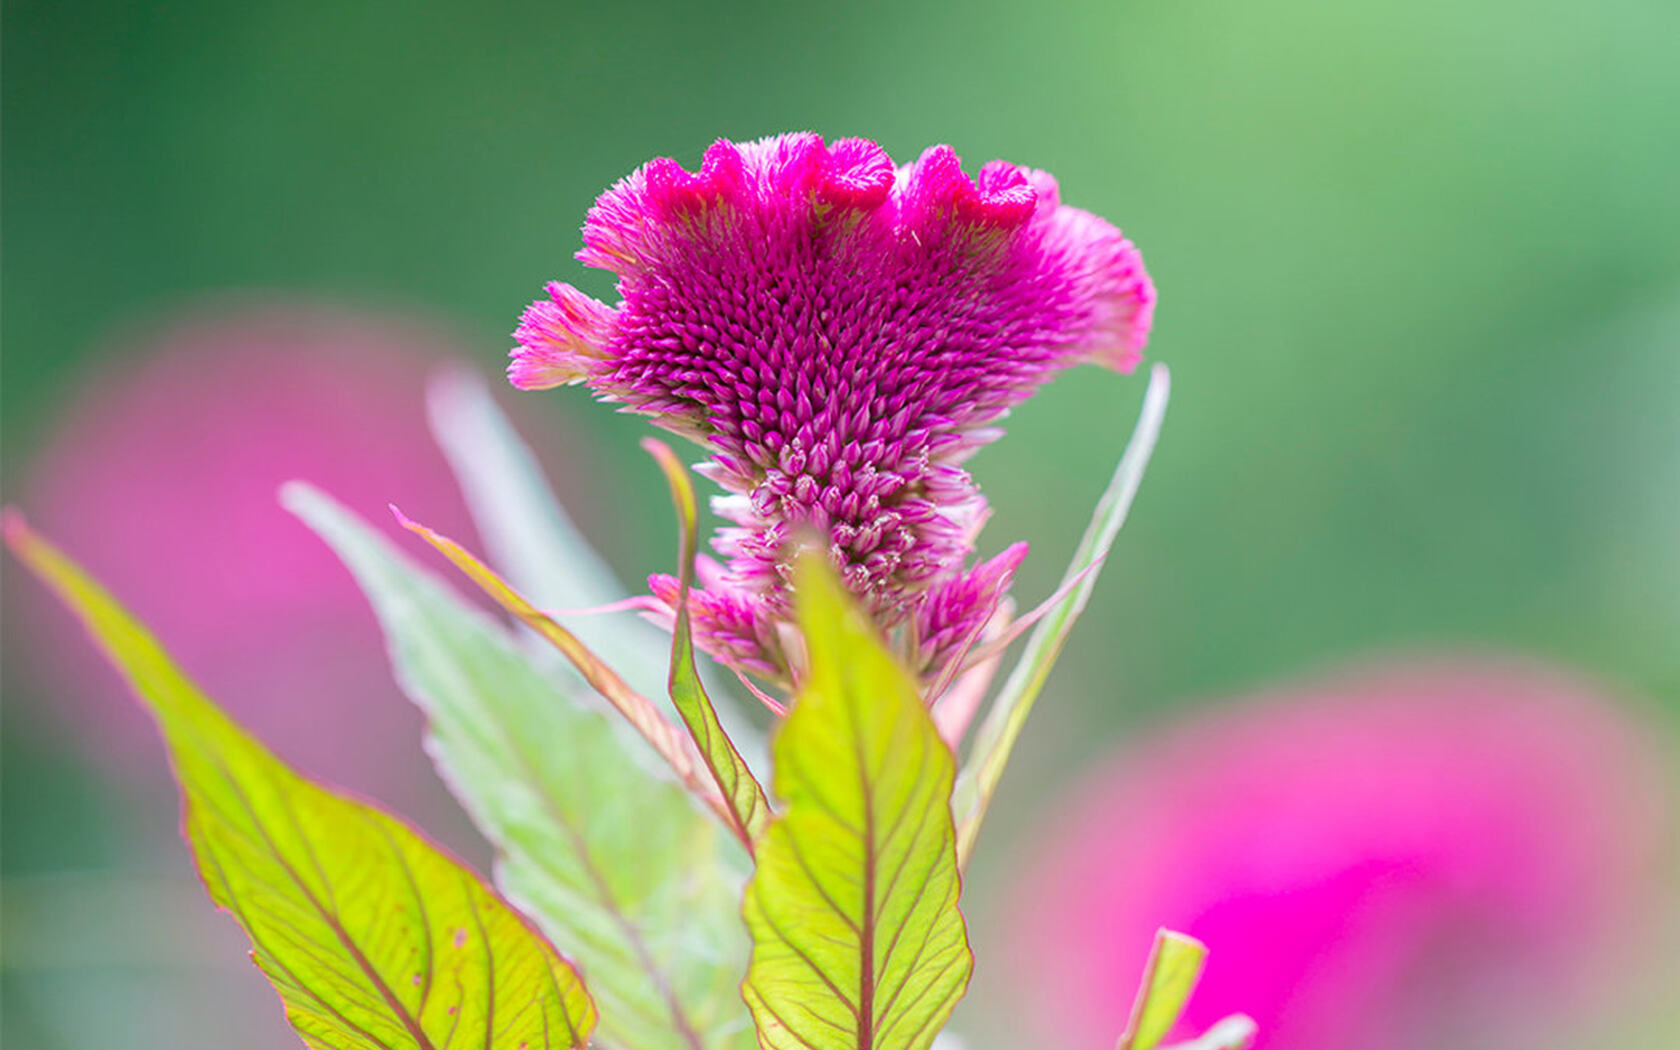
x=1420 y=290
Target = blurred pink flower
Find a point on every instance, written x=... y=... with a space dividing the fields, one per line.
x=161 y=477
x=1443 y=855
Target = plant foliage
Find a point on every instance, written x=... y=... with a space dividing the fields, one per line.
x=857 y=940
x=374 y=938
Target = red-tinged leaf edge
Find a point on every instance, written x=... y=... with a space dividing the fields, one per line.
x=147 y=668
x=845 y=955
x=665 y=739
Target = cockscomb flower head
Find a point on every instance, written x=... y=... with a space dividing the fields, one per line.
x=841 y=334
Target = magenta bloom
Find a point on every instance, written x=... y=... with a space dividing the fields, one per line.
x=842 y=334
x=1448 y=856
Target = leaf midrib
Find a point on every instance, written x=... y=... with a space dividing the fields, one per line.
x=866 y=934
x=392 y=1003
x=597 y=880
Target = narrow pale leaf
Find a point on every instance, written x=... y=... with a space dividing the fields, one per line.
x=857 y=940
x=374 y=939
x=740 y=790
x=533 y=544
x=1002 y=727
x=1175 y=963
x=609 y=857
x=527 y=534
x=665 y=739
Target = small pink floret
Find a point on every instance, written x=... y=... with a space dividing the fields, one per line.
x=557 y=339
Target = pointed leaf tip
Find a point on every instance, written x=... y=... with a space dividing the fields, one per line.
x=749 y=809
x=403 y=519
x=653 y=917
x=858 y=943
x=682 y=493
x=374 y=938
x=14 y=529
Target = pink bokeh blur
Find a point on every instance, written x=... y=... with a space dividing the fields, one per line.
x=161 y=479
x=1446 y=855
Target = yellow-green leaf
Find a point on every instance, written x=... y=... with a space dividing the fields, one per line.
x=1175 y=963
x=857 y=940
x=374 y=939
x=740 y=790
x=613 y=860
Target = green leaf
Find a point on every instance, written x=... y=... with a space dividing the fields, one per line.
x=741 y=791
x=609 y=857
x=1002 y=727
x=527 y=534
x=533 y=544
x=857 y=940
x=638 y=711
x=1175 y=963
x=374 y=939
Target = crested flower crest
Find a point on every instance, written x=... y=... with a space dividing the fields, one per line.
x=840 y=334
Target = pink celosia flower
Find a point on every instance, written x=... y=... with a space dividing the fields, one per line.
x=841 y=333
x=1448 y=856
